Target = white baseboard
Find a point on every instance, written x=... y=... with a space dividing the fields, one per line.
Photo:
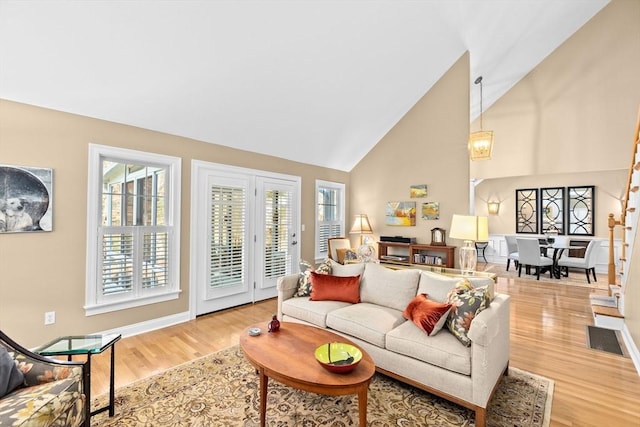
x=149 y=325
x=618 y=324
x=631 y=348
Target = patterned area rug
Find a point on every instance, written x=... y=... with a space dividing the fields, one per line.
x=576 y=278
x=222 y=390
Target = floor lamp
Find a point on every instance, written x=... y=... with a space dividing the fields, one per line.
x=471 y=229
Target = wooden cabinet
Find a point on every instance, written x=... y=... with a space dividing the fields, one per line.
x=416 y=254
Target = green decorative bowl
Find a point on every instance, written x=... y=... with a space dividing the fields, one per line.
x=338 y=357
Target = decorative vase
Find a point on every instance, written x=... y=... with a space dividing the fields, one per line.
x=274 y=325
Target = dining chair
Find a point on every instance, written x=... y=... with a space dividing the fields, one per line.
x=588 y=263
x=512 y=251
x=529 y=256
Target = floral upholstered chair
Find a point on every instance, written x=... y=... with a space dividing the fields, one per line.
x=36 y=391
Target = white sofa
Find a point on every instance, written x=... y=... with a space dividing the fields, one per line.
x=439 y=364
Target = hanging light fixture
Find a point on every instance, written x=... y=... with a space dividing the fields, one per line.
x=480 y=142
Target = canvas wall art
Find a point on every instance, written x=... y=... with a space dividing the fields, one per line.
x=431 y=210
x=418 y=191
x=400 y=213
x=25 y=199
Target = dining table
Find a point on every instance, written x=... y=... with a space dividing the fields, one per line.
x=558 y=246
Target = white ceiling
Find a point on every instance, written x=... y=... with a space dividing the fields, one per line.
x=319 y=82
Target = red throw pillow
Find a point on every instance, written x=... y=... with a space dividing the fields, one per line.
x=428 y=315
x=325 y=287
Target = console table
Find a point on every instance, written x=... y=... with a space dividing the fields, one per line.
x=416 y=254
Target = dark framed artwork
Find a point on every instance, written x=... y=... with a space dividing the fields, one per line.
x=25 y=199
x=527 y=211
x=580 y=210
x=552 y=203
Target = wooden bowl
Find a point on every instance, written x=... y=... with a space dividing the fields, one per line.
x=338 y=357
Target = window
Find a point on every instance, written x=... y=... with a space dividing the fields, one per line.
x=329 y=214
x=133 y=223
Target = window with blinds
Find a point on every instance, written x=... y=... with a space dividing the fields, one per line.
x=134 y=258
x=329 y=214
x=277 y=228
x=227 y=236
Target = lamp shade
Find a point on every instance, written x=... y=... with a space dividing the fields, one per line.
x=470 y=227
x=361 y=225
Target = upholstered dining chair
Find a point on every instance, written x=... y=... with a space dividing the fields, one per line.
x=529 y=254
x=512 y=251
x=588 y=263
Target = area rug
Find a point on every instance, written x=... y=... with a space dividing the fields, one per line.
x=576 y=278
x=222 y=390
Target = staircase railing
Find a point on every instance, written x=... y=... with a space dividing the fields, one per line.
x=630 y=188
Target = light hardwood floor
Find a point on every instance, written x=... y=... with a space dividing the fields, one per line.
x=548 y=336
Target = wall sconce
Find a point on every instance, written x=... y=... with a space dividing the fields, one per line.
x=493 y=207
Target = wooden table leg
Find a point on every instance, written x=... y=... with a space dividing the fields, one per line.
x=264 y=382
x=362 y=405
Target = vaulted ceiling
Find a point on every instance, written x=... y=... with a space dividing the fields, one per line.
x=318 y=82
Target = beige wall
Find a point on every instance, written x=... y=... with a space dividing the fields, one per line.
x=575 y=111
x=632 y=291
x=608 y=194
x=427 y=146
x=46 y=271
x=573 y=114
x=570 y=122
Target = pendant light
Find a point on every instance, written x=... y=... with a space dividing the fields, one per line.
x=480 y=142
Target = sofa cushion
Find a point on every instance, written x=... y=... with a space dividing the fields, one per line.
x=314 y=312
x=438 y=286
x=335 y=288
x=355 y=269
x=10 y=376
x=428 y=315
x=304 y=280
x=442 y=350
x=389 y=288
x=365 y=321
x=467 y=303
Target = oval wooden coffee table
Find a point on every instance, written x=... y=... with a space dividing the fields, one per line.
x=287 y=356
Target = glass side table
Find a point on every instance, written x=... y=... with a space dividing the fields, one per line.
x=86 y=345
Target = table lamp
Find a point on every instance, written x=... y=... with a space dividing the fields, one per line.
x=471 y=229
x=362 y=226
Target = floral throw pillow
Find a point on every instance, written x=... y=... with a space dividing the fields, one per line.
x=304 y=279
x=466 y=302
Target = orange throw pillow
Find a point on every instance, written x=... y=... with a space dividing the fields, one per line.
x=325 y=287
x=428 y=315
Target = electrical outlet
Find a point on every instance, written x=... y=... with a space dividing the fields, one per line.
x=49 y=317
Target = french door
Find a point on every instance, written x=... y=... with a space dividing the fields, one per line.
x=244 y=233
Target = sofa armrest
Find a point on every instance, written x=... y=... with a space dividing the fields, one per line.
x=287 y=286
x=39 y=369
x=490 y=342
x=489 y=323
